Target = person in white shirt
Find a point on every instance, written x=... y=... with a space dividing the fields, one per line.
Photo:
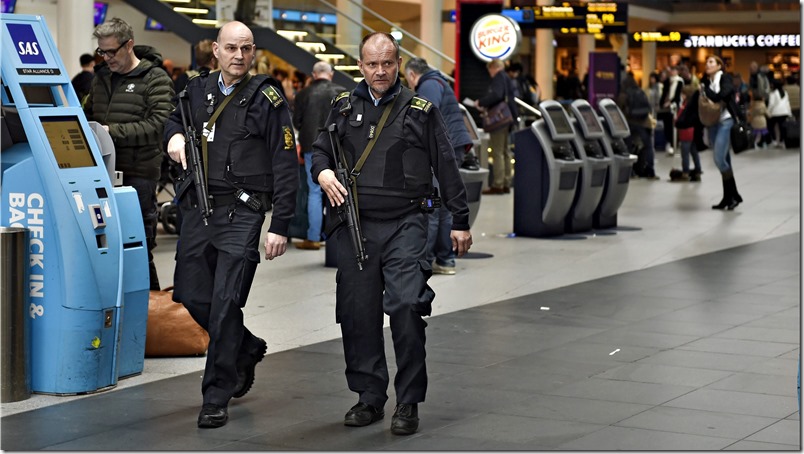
x=778 y=110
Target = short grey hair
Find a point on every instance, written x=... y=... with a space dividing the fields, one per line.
x=116 y=27
x=417 y=65
x=322 y=67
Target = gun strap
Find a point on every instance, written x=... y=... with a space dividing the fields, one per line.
x=214 y=117
x=388 y=108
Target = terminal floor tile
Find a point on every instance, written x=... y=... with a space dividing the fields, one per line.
x=698 y=354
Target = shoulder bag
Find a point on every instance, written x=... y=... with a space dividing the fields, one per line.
x=708 y=110
x=497 y=116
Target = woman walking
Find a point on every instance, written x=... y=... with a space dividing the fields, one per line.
x=719 y=87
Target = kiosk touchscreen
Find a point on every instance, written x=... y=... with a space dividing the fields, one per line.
x=547 y=168
x=591 y=182
x=55 y=184
x=619 y=174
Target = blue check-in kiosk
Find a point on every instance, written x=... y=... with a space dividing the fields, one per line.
x=592 y=179
x=616 y=128
x=547 y=168
x=86 y=245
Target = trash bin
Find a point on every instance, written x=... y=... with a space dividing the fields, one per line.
x=15 y=364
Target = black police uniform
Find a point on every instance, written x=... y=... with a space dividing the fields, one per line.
x=397 y=176
x=253 y=149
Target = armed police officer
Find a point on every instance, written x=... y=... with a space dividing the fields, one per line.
x=394 y=193
x=251 y=165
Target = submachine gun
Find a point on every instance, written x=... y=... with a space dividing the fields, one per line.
x=194 y=157
x=348 y=209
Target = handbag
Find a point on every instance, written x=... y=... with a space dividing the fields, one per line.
x=497 y=117
x=741 y=135
x=171 y=331
x=708 y=110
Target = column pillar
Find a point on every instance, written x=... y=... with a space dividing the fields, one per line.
x=430 y=31
x=544 y=65
x=74 y=32
x=348 y=33
x=586 y=45
x=648 y=61
x=619 y=42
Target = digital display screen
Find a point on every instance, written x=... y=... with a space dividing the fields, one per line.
x=151 y=24
x=559 y=120
x=100 y=12
x=617 y=122
x=8 y=6
x=68 y=142
x=590 y=119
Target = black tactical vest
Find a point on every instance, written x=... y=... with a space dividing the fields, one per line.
x=237 y=157
x=398 y=164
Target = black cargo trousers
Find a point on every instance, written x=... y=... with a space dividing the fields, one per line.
x=215 y=266
x=393 y=281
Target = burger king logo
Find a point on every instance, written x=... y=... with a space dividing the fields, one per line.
x=495 y=36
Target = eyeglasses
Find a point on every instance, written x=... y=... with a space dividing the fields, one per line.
x=111 y=52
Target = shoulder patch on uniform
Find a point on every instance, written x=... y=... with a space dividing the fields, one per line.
x=421 y=104
x=340 y=96
x=273 y=95
x=288 y=136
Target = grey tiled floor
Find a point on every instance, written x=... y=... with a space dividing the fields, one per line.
x=607 y=367
x=680 y=330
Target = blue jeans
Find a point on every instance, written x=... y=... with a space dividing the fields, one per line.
x=315 y=210
x=687 y=149
x=439 y=243
x=720 y=142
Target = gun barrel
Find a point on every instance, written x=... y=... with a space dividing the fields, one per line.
x=199 y=178
x=348 y=208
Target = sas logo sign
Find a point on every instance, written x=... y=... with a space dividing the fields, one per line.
x=24 y=39
x=494 y=36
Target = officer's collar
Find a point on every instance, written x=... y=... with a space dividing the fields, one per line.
x=362 y=91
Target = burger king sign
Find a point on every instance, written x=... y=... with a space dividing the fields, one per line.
x=495 y=36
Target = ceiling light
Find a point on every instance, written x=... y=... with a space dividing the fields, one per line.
x=290 y=34
x=176 y=1
x=347 y=67
x=181 y=9
x=328 y=56
x=311 y=46
x=206 y=22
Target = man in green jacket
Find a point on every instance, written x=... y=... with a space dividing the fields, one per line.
x=131 y=97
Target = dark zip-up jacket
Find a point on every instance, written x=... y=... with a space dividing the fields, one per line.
x=433 y=87
x=312 y=106
x=501 y=88
x=135 y=112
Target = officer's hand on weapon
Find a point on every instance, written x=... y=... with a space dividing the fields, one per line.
x=176 y=150
x=275 y=245
x=332 y=187
x=461 y=241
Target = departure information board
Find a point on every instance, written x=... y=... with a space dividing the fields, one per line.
x=570 y=17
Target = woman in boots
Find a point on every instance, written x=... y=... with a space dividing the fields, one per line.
x=719 y=87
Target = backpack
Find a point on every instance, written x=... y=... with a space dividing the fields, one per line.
x=638 y=104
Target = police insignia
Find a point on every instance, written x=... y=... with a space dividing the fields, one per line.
x=339 y=97
x=273 y=96
x=288 y=137
x=421 y=104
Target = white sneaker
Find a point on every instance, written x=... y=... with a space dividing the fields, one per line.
x=669 y=149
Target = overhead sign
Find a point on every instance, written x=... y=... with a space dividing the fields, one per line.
x=494 y=36
x=674 y=39
x=568 y=17
x=743 y=41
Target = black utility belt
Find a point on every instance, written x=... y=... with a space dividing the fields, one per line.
x=256 y=201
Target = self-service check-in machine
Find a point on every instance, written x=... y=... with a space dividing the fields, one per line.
x=88 y=257
x=546 y=168
x=592 y=179
x=619 y=174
